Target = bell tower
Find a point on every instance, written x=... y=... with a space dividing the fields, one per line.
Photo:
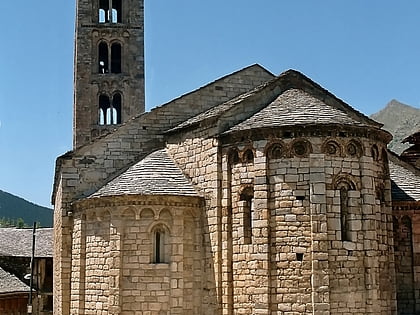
x=108 y=66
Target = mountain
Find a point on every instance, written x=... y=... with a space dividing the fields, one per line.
x=400 y=120
x=13 y=207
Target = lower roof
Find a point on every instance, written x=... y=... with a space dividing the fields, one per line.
x=11 y=284
x=156 y=174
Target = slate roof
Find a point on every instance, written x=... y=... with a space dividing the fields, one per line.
x=405 y=180
x=156 y=174
x=296 y=107
x=215 y=111
x=288 y=80
x=11 y=284
x=18 y=242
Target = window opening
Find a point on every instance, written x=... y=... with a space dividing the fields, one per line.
x=116 y=11
x=247 y=196
x=344 y=213
x=103 y=58
x=103 y=11
x=116 y=58
x=116 y=104
x=159 y=246
x=104 y=107
x=299 y=256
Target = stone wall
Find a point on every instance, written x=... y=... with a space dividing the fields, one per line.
x=83 y=171
x=303 y=226
x=116 y=269
x=407 y=256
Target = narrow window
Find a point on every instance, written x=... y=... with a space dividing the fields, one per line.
x=103 y=58
x=104 y=110
x=159 y=256
x=158 y=248
x=116 y=11
x=116 y=105
x=344 y=213
x=101 y=117
x=116 y=58
x=103 y=11
x=247 y=197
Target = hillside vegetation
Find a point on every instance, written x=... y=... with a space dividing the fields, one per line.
x=17 y=211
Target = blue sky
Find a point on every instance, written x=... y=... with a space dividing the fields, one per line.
x=365 y=52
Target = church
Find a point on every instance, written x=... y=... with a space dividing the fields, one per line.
x=254 y=194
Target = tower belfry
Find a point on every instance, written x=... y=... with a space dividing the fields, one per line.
x=109 y=66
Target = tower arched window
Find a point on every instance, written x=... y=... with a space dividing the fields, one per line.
x=103 y=11
x=104 y=107
x=110 y=11
x=116 y=105
x=103 y=58
x=109 y=112
x=116 y=11
x=116 y=58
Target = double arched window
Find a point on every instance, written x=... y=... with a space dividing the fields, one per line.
x=110 y=11
x=109 y=59
x=110 y=109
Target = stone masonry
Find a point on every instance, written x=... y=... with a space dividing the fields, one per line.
x=254 y=194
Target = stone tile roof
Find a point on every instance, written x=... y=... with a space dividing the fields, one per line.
x=11 y=284
x=296 y=107
x=405 y=180
x=156 y=174
x=18 y=242
x=215 y=111
x=290 y=79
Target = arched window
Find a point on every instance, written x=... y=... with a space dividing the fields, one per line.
x=247 y=202
x=110 y=113
x=344 y=187
x=116 y=11
x=160 y=246
x=110 y=16
x=103 y=11
x=116 y=105
x=103 y=58
x=344 y=213
x=104 y=107
x=116 y=58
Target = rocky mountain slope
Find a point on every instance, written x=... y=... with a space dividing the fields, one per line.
x=400 y=120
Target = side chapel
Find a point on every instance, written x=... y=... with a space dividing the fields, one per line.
x=254 y=194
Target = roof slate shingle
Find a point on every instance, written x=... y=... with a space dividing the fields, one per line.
x=296 y=107
x=11 y=284
x=405 y=180
x=18 y=242
x=156 y=174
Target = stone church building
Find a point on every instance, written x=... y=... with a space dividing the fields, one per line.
x=254 y=194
